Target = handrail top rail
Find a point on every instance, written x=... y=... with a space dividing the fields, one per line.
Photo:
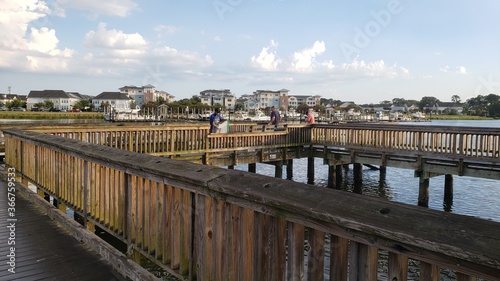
x=416 y=128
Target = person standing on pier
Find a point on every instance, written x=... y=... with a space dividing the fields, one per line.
x=310 y=117
x=275 y=116
x=215 y=120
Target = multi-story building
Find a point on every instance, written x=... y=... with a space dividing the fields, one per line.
x=296 y=100
x=134 y=92
x=268 y=98
x=145 y=94
x=62 y=100
x=223 y=97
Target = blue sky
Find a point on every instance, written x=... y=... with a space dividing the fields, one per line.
x=361 y=51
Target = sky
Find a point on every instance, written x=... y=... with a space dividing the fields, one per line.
x=360 y=51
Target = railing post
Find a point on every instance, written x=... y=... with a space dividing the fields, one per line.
x=86 y=202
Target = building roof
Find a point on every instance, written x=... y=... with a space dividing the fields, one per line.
x=48 y=94
x=130 y=87
x=111 y=96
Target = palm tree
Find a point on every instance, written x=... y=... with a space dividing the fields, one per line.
x=456 y=99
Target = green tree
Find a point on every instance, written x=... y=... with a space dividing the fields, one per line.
x=476 y=106
x=39 y=105
x=456 y=99
x=82 y=104
x=239 y=106
x=48 y=104
x=303 y=108
x=427 y=102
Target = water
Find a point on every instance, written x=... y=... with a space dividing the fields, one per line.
x=471 y=196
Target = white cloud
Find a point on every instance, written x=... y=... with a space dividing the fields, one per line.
x=113 y=39
x=461 y=70
x=305 y=59
x=217 y=38
x=120 y=8
x=173 y=57
x=34 y=48
x=305 y=62
x=445 y=69
x=167 y=29
x=372 y=69
x=267 y=58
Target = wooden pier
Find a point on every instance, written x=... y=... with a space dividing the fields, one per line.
x=35 y=247
x=201 y=222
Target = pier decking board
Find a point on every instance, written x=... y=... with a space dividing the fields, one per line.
x=45 y=250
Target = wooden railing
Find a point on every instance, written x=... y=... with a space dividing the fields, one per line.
x=481 y=143
x=208 y=223
x=181 y=138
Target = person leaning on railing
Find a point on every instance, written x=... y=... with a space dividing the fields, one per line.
x=310 y=117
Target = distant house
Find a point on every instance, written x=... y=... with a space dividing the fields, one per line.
x=8 y=97
x=120 y=102
x=62 y=100
x=399 y=108
x=447 y=107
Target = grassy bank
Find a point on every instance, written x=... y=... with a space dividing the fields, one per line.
x=457 y=117
x=49 y=115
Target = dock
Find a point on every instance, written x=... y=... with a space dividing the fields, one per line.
x=41 y=249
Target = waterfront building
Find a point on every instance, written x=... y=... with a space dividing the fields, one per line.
x=118 y=101
x=145 y=94
x=268 y=98
x=309 y=100
x=61 y=100
x=223 y=97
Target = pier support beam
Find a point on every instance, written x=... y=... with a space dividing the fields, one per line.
x=252 y=167
x=310 y=170
x=448 y=192
x=278 y=170
x=358 y=172
x=289 y=169
x=423 y=190
x=383 y=171
x=230 y=167
x=334 y=176
x=358 y=177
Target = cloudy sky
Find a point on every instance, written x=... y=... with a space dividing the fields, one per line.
x=361 y=51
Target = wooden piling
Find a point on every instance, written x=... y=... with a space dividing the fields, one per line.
x=423 y=190
x=252 y=167
x=289 y=169
x=310 y=170
x=278 y=169
x=448 y=192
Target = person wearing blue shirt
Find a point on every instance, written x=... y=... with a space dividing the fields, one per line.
x=215 y=120
x=275 y=116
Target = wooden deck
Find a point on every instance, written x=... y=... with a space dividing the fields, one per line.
x=43 y=249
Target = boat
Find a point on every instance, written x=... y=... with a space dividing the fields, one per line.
x=132 y=114
x=205 y=115
x=418 y=115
